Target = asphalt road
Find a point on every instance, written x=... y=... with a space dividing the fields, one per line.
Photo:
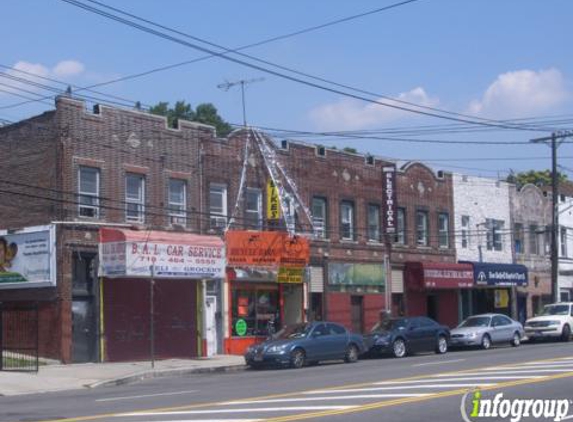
x=424 y=387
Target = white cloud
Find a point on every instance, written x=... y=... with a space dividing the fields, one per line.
x=521 y=93
x=68 y=68
x=348 y=114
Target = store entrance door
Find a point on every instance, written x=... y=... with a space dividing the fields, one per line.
x=357 y=309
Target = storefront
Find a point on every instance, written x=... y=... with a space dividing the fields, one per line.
x=265 y=285
x=434 y=289
x=494 y=288
x=153 y=294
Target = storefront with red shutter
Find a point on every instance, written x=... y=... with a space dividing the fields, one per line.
x=433 y=289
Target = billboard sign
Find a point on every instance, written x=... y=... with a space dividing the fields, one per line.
x=28 y=258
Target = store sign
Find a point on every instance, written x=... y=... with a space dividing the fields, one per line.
x=273 y=201
x=28 y=258
x=266 y=249
x=144 y=254
x=389 y=198
x=356 y=274
x=290 y=275
x=503 y=275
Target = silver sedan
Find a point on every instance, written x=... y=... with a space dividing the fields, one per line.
x=487 y=329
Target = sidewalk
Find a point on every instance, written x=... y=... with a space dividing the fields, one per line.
x=90 y=375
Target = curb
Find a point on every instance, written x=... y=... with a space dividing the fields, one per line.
x=150 y=374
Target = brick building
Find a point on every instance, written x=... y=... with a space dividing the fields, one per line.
x=79 y=171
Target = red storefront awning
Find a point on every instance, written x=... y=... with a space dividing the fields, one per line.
x=438 y=275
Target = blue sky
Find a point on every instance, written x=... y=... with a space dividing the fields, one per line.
x=487 y=58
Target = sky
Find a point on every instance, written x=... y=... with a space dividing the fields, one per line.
x=484 y=59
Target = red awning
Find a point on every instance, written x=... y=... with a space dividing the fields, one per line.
x=439 y=275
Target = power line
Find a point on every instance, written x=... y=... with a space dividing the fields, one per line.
x=477 y=120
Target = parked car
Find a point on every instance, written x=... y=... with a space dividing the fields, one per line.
x=555 y=321
x=401 y=336
x=487 y=329
x=312 y=342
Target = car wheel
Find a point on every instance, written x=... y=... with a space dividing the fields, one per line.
x=566 y=333
x=351 y=354
x=442 y=345
x=516 y=340
x=486 y=342
x=399 y=348
x=297 y=358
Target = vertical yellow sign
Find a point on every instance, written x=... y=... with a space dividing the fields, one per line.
x=273 y=205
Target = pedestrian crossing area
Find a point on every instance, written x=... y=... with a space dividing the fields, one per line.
x=352 y=398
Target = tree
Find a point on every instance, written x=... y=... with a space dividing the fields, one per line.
x=535 y=177
x=205 y=113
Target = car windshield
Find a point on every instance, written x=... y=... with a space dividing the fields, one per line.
x=293 y=331
x=389 y=325
x=556 y=310
x=476 y=322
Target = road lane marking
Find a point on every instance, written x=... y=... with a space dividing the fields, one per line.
x=291 y=394
x=505 y=377
x=389 y=403
x=397 y=387
x=439 y=363
x=145 y=396
x=240 y=410
x=300 y=399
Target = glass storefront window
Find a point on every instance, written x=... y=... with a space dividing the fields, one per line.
x=258 y=307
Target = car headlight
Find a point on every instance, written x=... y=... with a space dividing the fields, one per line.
x=276 y=349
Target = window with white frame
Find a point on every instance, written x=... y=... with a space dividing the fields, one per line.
x=177 y=202
x=347 y=220
x=400 y=237
x=217 y=206
x=465 y=231
x=494 y=234
x=443 y=230
x=319 y=217
x=422 y=228
x=135 y=198
x=88 y=192
x=253 y=209
x=373 y=223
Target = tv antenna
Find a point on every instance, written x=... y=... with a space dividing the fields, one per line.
x=228 y=85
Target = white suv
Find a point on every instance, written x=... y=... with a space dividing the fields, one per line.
x=556 y=321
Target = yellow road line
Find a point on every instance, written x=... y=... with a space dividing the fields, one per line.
x=292 y=394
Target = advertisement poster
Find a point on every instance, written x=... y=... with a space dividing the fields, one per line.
x=27 y=258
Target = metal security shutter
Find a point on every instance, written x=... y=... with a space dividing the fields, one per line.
x=397 y=281
x=316 y=280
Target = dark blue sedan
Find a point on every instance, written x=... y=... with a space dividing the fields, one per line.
x=306 y=343
x=402 y=336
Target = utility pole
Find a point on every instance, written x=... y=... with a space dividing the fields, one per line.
x=554 y=141
x=228 y=85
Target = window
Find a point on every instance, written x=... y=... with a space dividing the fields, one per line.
x=373 y=222
x=88 y=192
x=465 y=231
x=563 y=241
x=422 y=228
x=217 y=207
x=253 y=209
x=177 y=201
x=444 y=230
x=494 y=239
x=400 y=237
x=347 y=220
x=518 y=237
x=533 y=240
x=319 y=217
x=135 y=198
